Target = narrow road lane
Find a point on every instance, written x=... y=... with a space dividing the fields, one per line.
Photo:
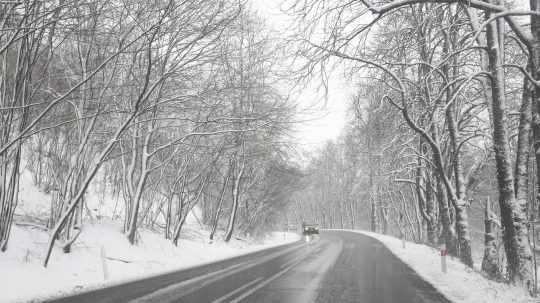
x=348 y=267
x=339 y=267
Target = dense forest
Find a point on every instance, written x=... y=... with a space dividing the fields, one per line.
x=166 y=104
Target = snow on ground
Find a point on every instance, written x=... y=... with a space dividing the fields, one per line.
x=32 y=201
x=460 y=284
x=24 y=278
x=35 y=203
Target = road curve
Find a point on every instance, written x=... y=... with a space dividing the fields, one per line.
x=339 y=267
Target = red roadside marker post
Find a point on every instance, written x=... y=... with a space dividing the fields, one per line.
x=444 y=253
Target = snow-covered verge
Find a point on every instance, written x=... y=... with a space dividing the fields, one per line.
x=24 y=279
x=460 y=284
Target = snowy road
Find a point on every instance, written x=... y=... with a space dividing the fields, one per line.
x=339 y=267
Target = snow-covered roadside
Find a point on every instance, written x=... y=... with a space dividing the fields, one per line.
x=460 y=284
x=23 y=278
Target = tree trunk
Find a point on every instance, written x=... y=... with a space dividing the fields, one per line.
x=385 y=219
x=215 y=221
x=430 y=213
x=535 y=70
x=9 y=196
x=136 y=197
x=464 y=240
x=178 y=229
x=374 y=216
x=168 y=217
x=459 y=201
x=534 y=63
x=132 y=228
x=521 y=182
x=236 y=199
x=513 y=219
x=448 y=233
x=490 y=262
x=462 y=221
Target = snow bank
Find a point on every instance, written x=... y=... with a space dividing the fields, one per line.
x=460 y=284
x=23 y=278
x=32 y=201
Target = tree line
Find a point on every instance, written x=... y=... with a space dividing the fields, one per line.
x=444 y=120
x=164 y=104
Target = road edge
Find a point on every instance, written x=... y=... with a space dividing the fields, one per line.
x=424 y=279
x=90 y=288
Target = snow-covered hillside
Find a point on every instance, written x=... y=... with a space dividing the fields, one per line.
x=102 y=254
x=23 y=277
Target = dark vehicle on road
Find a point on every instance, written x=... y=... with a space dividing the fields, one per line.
x=310 y=229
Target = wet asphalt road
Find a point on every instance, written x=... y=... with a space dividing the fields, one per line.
x=338 y=267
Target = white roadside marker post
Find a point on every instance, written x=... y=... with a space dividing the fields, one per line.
x=444 y=252
x=401 y=230
x=104 y=264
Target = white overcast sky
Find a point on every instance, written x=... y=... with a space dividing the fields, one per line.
x=326 y=119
